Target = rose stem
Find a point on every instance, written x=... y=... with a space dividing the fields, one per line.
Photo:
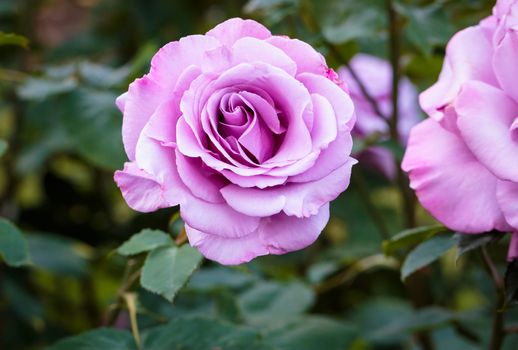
x=497 y=333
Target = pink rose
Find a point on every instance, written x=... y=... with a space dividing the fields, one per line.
x=376 y=76
x=248 y=132
x=463 y=161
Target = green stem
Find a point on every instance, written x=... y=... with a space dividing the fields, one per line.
x=498 y=332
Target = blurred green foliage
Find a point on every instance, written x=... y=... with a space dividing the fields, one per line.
x=63 y=63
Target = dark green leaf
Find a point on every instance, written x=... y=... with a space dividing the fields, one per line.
x=102 y=338
x=422 y=319
x=407 y=238
x=511 y=282
x=426 y=253
x=201 y=334
x=469 y=242
x=220 y=277
x=167 y=269
x=427 y=26
x=312 y=332
x=145 y=241
x=13 y=39
x=3 y=147
x=59 y=255
x=227 y=307
x=13 y=246
x=277 y=301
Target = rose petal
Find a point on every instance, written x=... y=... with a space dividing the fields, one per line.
x=507 y=197
x=217 y=219
x=339 y=99
x=139 y=189
x=504 y=63
x=324 y=129
x=254 y=50
x=468 y=57
x=308 y=60
x=513 y=247
x=295 y=199
x=202 y=181
x=450 y=182
x=285 y=234
x=485 y=116
x=234 y=29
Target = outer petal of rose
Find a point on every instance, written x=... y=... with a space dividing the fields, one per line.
x=255 y=50
x=485 y=116
x=450 y=182
x=234 y=29
x=217 y=219
x=140 y=190
x=284 y=233
x=507 y=196
x=171 y=60
x=468 y=57
x=504 y=63
x=513 y=247
x=294 y=199
x=227 y=250
x=307 y=58
x=339 y=99
x=330 y=159
x=140 y=102
x=160 y=162
x=278 y=234
x=324 y=129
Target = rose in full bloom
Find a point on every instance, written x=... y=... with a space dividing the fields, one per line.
x=248 y=132
x=463 y=160
x=375 y=75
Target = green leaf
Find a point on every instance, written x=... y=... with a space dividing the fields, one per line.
x=212 y=278
x=3 y=147
x=13 y=39
x=349 y=20
x=42 y=88
x=427 y=26
x=426 y=253
x=201 y=333
x=97 y=339
x=422 y=319
x=511 y=282
x=410 y=237
x=59 y=255
x=227 y=307
x=144 y=241
x=101 y=76
x=167 y=269
x=271 y=300
x=13 y=246
x=469 y=242
x=312 y=332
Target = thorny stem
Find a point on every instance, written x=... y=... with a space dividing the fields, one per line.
x=497 y=333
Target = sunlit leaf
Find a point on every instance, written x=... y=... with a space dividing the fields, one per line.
x=13 y=39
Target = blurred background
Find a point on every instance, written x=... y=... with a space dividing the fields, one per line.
x=60 y=142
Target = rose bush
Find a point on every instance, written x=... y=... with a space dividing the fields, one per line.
x=375 y=75
x=249 y=133
x=463 y=161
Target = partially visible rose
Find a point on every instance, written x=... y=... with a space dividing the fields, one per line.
x=463 y=161
x=375 y=75
x=249 y=133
